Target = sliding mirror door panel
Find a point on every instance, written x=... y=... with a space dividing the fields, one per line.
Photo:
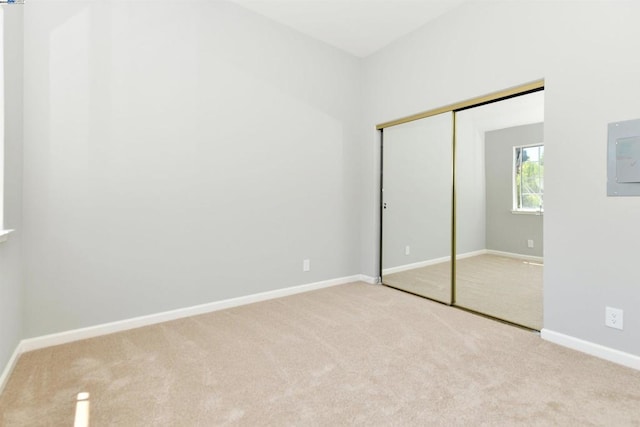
x=499 y=209
x=417 y=206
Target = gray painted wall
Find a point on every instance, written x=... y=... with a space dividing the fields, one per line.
x=508 y=232
x=179 y=153
x=11 y=303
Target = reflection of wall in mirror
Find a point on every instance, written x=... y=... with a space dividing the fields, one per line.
x=470 y=187
x=417 y=193
x=508 y=232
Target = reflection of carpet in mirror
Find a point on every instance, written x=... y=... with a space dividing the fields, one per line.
x=433 y=281
x=505 y=288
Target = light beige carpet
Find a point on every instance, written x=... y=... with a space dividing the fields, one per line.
x=349 y=355
x=432 y=281
x=506 y=288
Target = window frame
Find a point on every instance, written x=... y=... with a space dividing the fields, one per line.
x=2 y=126
x=4 y=232
x=514 y=186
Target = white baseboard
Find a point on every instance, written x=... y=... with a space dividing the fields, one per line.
x=9 y=367
x=612 y=355
x=616 y=356
x=368 y=279
x=532 y=258
x=471 y=254
x=434 y=261
x=413 y=265
x=137 y=322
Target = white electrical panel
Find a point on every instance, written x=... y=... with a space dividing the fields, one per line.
x=623 y=159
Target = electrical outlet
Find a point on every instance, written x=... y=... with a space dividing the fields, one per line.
x=407 y=250
x=613 y=317
x=530 y=243
x=306 y=265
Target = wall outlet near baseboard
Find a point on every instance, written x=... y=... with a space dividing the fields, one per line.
x=613 y=317
x=306 y=265
x=530 y=243
x=407 y=250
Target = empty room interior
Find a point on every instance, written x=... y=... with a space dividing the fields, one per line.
x=312 y=212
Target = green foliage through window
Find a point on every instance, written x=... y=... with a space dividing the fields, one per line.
x=528 y=178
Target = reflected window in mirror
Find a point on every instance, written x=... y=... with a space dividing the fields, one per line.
x=528 y=179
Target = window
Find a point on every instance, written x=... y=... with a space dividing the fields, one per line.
x=528 y=178
x=1 y=124
x=3 y=232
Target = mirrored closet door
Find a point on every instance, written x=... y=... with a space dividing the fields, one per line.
x=499 y=209
x=467 y=180
x=417 y=206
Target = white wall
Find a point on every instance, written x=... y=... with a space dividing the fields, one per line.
x=179 y=153
x=11 y=303
x=584 y=50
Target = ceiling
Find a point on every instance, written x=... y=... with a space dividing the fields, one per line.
x=359 y=27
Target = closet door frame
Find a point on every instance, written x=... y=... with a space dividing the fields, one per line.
x=501 y=95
